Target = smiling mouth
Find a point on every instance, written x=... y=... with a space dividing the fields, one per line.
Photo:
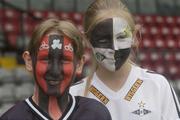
x=52 y=82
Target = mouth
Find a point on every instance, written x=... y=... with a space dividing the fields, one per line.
x=52 y=82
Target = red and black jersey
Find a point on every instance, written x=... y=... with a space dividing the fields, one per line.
x=79 y=108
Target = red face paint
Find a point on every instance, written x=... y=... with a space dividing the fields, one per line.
x=55 y=64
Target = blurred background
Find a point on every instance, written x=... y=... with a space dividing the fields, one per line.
x=159 y=44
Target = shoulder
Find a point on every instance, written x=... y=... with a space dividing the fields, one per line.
x=78 y=88
x=17 y=112
x=152 y=77
x=92 y=107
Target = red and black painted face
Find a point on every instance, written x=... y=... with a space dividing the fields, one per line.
x=54 y=70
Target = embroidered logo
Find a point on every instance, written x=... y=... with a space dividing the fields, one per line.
x=141 y=111
x=99 y=95
x=133 y=90
x=56 y=44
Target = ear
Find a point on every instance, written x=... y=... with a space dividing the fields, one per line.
x=79 y=66
x=28 y=61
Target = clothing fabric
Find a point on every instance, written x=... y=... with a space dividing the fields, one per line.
x=144 y=96
x=80 y=108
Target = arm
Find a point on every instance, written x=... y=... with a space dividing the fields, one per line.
x=170 y=103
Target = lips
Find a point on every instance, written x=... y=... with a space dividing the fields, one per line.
x=53 y=82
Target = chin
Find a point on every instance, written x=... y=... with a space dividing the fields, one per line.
x=53 y=93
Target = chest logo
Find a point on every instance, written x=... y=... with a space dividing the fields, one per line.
x=141 y=111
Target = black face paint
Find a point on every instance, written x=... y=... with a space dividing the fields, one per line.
x=102 y=34
x=121 y=56
x=54 y=73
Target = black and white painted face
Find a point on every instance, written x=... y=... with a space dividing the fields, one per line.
x=111 y=40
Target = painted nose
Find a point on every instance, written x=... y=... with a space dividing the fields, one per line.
x=54 y=72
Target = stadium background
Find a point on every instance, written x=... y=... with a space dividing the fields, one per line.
x=159 y=44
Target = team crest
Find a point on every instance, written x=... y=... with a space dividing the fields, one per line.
x=141 y=111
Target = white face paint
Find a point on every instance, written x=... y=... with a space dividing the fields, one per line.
x=122 y=34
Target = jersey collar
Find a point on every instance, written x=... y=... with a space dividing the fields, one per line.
x=44 y=116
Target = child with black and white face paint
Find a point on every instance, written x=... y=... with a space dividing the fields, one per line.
x=111 y=40
x=128 y=91
x=54 y=56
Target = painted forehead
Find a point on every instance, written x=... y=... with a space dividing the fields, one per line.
x=56 y=42
x=115 y=24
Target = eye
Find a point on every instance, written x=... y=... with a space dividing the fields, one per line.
x=121 y=35
x=102 y=40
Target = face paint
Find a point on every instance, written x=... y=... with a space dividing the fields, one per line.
x=55 y=64
x=111 y=40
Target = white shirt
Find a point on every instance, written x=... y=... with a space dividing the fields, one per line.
x=144 y=96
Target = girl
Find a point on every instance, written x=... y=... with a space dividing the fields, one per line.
x=128 y=91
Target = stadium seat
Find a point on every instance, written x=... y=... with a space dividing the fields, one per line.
x=171 y=43
x=12 y=38
x=6 y=76
x=23 y=91
x=177 y=56
x=7 y=92
x=159 y=42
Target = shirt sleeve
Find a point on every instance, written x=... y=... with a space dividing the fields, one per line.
x=170 y=103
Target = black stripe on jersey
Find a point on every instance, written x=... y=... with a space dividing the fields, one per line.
x=176 y=102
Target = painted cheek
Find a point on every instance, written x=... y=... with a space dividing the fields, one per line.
x=68 y=76
x=41 y=69
x=68 y=68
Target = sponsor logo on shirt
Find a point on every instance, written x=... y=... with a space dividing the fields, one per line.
x=133 y=90
x=99 y=95
x=141 y=111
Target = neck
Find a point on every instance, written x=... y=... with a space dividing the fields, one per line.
x=54 y=106
x=114 y=80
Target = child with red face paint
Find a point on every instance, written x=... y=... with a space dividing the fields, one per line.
x=54 y=56
x=128 y=91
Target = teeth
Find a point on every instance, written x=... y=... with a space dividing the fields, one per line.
x=53 y=82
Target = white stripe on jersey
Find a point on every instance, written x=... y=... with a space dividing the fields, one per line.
x=31 y=105
x=176 y=101
x=45 y=118
x=71 y=109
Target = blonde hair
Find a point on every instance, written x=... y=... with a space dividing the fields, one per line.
x=98 y=11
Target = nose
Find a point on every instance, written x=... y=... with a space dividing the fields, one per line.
x=54 y=71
